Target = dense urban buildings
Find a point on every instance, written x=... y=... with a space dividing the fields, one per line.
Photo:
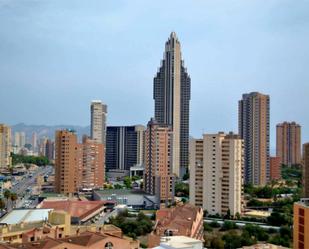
x=216 y=170
x=124 y=147
x=172 y=98
x=301 y=224
x=158 y=177
x=275 y=168
x=288 y=143
x=5 y=146
x=306 y=169
x=184 y=220
x=77 y=165
x=253 y=125
x=98 y=121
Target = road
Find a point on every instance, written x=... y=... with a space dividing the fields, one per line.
x=27 y=183
x=242 y=223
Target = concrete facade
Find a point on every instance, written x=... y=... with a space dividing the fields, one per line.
x=172 y=87
x=98 y=121
x=5 y=146
x=301 y=224
x=288 y=143
x=216 y=173
x=158 y=177
x=253 y=125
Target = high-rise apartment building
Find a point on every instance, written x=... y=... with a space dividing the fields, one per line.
x=67 y=162
x=34 y=142
x=19 y=139
x=306 y=169
x=253 y=125
x=158 y=177
x=301 y=224
x=93 y=172
x=275 y=168
x=288 y=143
x=216 y=173
x=50 y=149
x=171 y=94
x=98 y=121
x=77 y=165
x=5 y=146
x=196 y=171
x=124 y=147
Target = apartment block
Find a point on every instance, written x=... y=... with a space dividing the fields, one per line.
x=306 y=169
x=253 y=125
x=93 y=172
x=275 y=168
x=301 y=224
x=216 y=173
x=77 y=165
x=5 y=146
x=98 y=121
x=158 y=177
x=67 y=161
x=288 y=143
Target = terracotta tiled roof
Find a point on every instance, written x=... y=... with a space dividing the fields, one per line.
x=48 y=243
x=75 y=208
x=180 y=218
x=85 y=239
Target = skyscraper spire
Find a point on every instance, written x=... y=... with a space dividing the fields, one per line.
x=172 y=98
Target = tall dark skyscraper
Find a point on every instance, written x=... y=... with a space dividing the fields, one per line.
x=253 y=125
x=171 y=92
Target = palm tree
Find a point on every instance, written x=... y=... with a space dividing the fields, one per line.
x=7 y=195
x=2 y=204
x=14 y=197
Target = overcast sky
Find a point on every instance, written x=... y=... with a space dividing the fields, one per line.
x=56 y=56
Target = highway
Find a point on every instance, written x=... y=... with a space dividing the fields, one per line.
x=23 y=188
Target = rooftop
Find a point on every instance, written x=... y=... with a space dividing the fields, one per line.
x=179 y=242
x=75 y=208
x=25 y=215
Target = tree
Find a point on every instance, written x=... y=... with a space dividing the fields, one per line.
x=7 y=194
x=228 y=225
x=217 y=243
x=182 y=189
x=127 y=182
x=2 y=204
x=13 y=197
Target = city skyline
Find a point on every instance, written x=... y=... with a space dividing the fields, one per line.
x=267 y=62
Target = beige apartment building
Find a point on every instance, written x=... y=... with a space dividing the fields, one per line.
x=216 y=173
x=77 y=165
x=158 y=177
x=98 y=121
x=253 y=125
x=288 y=143
x=5 y=146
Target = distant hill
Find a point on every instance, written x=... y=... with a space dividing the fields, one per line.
x=48 y=130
